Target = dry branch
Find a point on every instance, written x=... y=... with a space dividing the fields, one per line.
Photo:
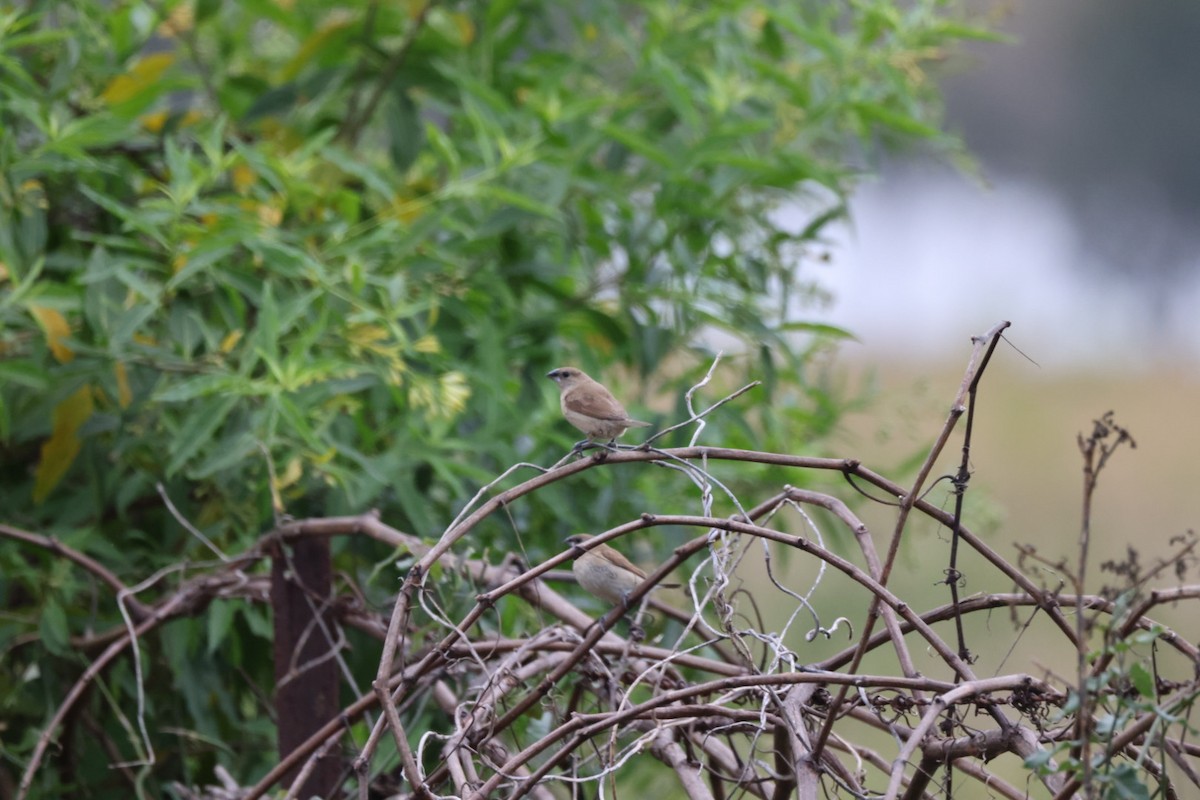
x=727 y=706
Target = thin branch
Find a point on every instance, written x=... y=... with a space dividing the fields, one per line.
x=353 y=125
x=910 y=498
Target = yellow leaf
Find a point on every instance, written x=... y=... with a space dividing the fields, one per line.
x=230 y=341
x=145 y=72
x=364 y=335
x=33 y=193
x=124 y=395
x=455 y=393
x=466 y=28
x=599 y=343
x=290 y=475
x=55 y=326
x=590 y=32
x=59 y=451
x=269 y=215
x=3 y=272
x=180 y=20
x=213 y=512
x=406 y=210
x=242 y=177
x=427 y=344
x=154 y=122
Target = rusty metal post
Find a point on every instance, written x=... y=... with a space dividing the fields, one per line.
x=306 y=678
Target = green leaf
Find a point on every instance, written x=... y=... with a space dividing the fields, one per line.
x=406 y=134
x=901 y=123
x=257 y=620
x=132 y=219
x=201 y=386
x=638 y=144
x=227 y=455
x=25 y=373
x=818 y=328
x=207 y=253
x=1038 y=760
x=521 y=201
x=53 y=627
x=952 y=29
x=207 y=9
x=220 y=620
x=1125 y=783
x=274 y=102
x=1142 y=680
x=198 y=430
x=445 y=148
x=771 y=41
x=671 y=81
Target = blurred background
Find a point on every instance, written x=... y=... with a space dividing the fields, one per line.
x=1078 y=224
x=1081 y=227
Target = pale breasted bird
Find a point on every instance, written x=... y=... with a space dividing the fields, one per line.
x=606 y=573
x=590 y=407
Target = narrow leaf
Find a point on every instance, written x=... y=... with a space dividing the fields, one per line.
x=59 y=451
x=55 y=326
x=198 y=431
x=143 y=75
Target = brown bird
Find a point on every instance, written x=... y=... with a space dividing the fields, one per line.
x=590 y=407
x=606 y=573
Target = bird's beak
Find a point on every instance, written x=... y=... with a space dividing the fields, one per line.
x=552 y=373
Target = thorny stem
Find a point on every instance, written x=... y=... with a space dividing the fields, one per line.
x=961 y=479
x=975 y=368
x=1096 y=450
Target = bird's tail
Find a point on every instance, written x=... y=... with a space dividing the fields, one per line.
x=637 y=423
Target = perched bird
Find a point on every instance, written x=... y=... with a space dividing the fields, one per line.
x=606 y=573
x=590 y=407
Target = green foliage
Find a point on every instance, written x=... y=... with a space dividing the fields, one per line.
x=1127 y=692
x=346 y=244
